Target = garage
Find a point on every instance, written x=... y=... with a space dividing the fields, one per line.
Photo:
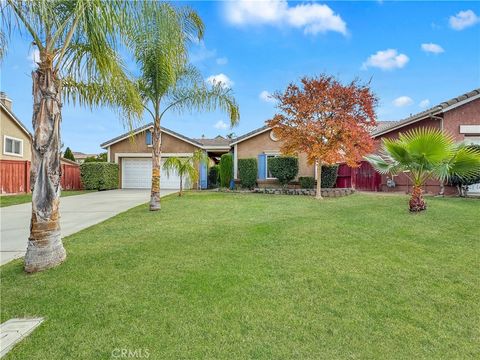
x=137 y=174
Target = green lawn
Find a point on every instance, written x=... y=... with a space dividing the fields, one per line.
x=8 y=200
x=228 y=276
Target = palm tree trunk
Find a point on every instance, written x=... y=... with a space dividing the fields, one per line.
x=45 y=248
x=417 y=203
x=319 y=180
x=156 y=161
x=181 y=186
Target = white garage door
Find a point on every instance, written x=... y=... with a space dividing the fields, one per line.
x=137 y=174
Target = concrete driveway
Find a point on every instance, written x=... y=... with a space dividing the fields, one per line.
x=77 y=212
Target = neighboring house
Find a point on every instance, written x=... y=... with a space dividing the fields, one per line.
x=80 y=157
x=459 y=117
x=132 y=151
x=14 y=136
x=16 y=154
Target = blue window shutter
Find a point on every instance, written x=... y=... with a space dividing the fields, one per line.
x=261 y=166
x=148 y=138
x=203 y=176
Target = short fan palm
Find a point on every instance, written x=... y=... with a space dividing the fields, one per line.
x=424 y=154
x=186 y=167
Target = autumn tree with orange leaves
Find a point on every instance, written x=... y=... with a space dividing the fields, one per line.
x=326 y=120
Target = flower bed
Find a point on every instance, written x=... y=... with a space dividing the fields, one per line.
x=334 y=192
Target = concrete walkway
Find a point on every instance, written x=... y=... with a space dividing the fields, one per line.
x=77 y=212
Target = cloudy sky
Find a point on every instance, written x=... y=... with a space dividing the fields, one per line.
x=416 y=54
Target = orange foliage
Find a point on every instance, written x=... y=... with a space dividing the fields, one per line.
x=325 y=119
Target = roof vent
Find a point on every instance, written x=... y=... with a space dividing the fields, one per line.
x=6 y=100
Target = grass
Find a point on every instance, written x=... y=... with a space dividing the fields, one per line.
x=228 y=276
x=9 y=200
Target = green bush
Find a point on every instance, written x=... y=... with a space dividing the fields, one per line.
x=329 y=176
x=307 y=182
x=284 y=168
x=226 y=170
x=247 y=172
x=99 y=175
x=213 y=176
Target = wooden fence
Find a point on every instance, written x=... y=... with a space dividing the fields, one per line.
x=15 y=176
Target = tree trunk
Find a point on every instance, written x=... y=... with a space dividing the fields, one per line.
x=319 y=180
x=417 y=203
x=181 y=186
x=45 y=248
x=156 y=161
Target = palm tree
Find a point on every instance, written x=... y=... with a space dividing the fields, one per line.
x=160 y=41
x=76 y=41
x=423 y=154
x=186 y=167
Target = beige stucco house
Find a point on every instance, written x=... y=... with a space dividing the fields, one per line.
x=15 y=138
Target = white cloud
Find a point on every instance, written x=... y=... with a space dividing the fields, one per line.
x=220 y=79
x=424 y=103
x=463 y=20
x=312 y=18
x=432 y=48
x=222 y=60
x=266 y=96
x=403 y=101
x=201 y=53
x=386 y=60
x=34 y=57
x=221 y=125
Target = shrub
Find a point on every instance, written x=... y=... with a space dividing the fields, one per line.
x=307 y=182
x=329 y=176
x=226 y=170
x=213 y=176
x=99 y=175
x=284 y=168
x=247 y=172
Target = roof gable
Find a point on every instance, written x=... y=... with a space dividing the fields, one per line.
x=435 y=110
x=148 y=127
x=16 y=120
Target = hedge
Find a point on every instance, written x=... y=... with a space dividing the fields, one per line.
x=99 y=175
x=247 y=172
x=213 y=176
x=329 y=176
x=284 y=168
x=307 y=182
x=226 y=170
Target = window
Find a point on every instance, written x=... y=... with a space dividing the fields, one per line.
x=12 y=146
x=267 y=157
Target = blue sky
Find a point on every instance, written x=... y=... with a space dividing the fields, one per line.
x=416 y=54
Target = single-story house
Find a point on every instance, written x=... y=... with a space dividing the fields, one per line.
x=16 y=154
x=459 y=116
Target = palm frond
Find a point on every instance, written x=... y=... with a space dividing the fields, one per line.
x=202 y=98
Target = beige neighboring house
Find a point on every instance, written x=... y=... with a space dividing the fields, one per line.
x=15 y=138
x=80 y=156
x=16 y=154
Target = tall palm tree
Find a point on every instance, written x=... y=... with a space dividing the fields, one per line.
x=186 y=167
x=424 y=154
x=76 y=41
x=160 y=41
